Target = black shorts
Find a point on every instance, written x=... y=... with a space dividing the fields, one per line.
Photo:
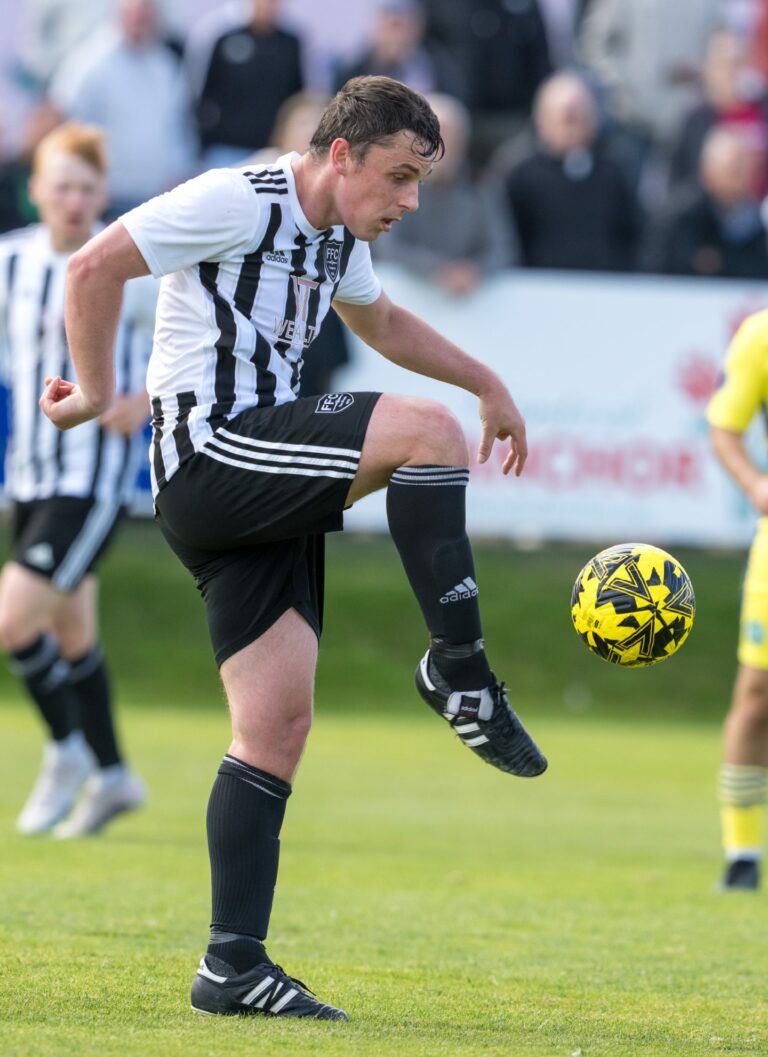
x=63 y=537
x=247 y=514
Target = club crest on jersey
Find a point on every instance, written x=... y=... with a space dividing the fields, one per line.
x=332 y=250
x=332 y=403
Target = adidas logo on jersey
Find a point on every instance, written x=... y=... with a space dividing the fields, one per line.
x=276 y=257
x=466 y=589
x=40 y=555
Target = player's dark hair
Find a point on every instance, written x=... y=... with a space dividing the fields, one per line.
x=369 y=110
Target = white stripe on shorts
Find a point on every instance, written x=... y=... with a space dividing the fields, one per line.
x=316 y=449
x=263 y=456
x=263 y=468
x=96 y=528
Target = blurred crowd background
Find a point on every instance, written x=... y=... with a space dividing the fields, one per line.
x=602 y=135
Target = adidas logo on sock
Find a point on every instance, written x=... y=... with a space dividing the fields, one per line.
x=466 y=589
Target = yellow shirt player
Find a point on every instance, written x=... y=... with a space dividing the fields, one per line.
x=744 y=771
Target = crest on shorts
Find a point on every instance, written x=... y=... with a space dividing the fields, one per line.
x=40 y=555
x=332 y=251
x=332 y=403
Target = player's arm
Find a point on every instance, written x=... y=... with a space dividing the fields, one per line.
x=94 y=293
x=129 y=411
x=411 y=343
x=729 y=447
x=127 y=414
x=735 y=403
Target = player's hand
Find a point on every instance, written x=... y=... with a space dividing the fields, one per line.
x=127 y=414
x=758 y=494
x=502 y=421
x=459 y=277
x=64 y=403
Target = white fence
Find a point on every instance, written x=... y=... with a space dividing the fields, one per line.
x=613 y=376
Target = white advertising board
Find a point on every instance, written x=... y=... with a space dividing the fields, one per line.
x=612 y=375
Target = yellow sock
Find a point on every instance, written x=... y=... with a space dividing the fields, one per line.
x=743 y=790
x=742 y=830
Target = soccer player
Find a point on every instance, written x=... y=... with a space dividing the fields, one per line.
x=248 y=476
x=68 y=492
x=744 y=771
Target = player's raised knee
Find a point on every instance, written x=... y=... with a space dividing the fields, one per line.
x=432 y=431
x=441 y=436
x=14 y=634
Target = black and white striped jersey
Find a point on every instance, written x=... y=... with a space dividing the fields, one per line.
x=42 y=461
x=247 y=283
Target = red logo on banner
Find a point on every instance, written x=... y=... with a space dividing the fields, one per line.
x=559 y=462
x=698 y=376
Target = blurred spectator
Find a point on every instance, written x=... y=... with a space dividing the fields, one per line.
x=716 y=229
x=759 y=39
x=127 y=81
x=398 y=50
x=14 y=205
x=461 y=231
x=734 y=95
x=571 y=202
x=647 y=55
x=50 y=30
x=741 y=16
x=295 y=124
x=241 y=66
x=16 y=208
x=296 y=121
x=562 y=19
x=502 y=50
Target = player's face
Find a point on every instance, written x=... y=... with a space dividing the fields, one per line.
x=70 y=196
x=376 y=193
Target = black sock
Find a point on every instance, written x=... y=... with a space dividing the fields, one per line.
x=239 y=952
x=89 y=680
x=426 y=514
x=245 y=813
x=44 y=674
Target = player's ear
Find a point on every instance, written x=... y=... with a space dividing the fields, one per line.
x=340 y=156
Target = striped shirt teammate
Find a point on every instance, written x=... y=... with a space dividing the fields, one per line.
x=41 y=462
x=68 y=492
x=249 y=475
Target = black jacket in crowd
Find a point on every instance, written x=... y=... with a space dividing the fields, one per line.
x=694 y=239
x=250 y=75
x=574 y=213
x=501 y=46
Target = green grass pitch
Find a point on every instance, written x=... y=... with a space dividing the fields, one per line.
x=450 y=909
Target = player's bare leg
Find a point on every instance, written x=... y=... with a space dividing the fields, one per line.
x=744 y=778
x=269 y=686
x=417 y=450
